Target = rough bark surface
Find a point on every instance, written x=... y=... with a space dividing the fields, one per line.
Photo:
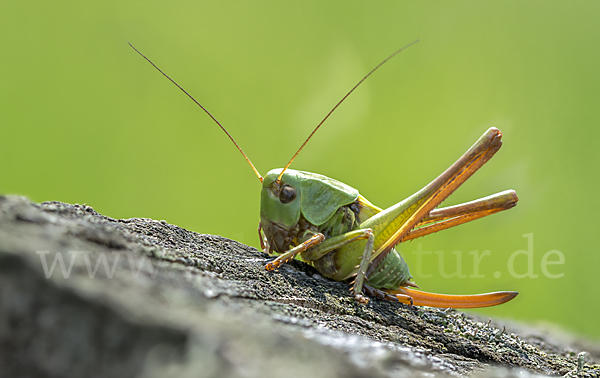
x=82 y=294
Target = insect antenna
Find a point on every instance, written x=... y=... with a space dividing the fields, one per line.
x=342 y=100
x=203 y=108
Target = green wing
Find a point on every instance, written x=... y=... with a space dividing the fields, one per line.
x=322 y=196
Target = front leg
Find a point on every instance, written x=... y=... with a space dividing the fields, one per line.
x=316 y=247
x=281 y=259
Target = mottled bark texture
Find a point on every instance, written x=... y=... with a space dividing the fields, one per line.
x=146 y=298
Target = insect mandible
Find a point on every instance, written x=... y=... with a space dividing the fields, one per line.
x=345 y=237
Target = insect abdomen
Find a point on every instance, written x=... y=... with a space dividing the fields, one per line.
x=391 y=273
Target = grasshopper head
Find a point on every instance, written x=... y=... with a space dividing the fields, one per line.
x=280 y=199
x=297 y=194
x=280 y=207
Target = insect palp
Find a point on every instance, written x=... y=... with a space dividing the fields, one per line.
x=203 y=108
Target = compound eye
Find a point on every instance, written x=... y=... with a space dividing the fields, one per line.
x=287 y=194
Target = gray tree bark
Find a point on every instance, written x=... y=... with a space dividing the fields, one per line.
x=139 y=297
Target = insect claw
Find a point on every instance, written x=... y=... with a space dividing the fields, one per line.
x=392 y=298
x=361 y=299
x=273 y=263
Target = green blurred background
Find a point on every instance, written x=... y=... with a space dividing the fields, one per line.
x=86 y=120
